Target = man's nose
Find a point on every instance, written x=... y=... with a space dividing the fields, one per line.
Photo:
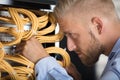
x=70 y=44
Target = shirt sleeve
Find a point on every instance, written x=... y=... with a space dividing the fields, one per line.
x=48 y=69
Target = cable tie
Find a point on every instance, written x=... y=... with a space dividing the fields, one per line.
x=29 y=75
x=2 y=48
x=14 y=73
x=34 y=32
x=28 y=66
x=20 y=30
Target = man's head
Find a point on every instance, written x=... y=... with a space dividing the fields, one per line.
x=87 y=24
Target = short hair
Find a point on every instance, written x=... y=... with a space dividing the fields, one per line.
x=101 y=7
x=62 y=6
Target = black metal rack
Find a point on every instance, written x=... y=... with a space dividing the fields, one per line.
x=30 y=4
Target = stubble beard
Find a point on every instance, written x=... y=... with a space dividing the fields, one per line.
x=93 y=52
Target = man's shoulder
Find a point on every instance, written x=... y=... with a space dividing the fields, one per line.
x=115 y=64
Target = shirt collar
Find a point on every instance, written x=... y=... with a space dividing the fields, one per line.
x=115 y=48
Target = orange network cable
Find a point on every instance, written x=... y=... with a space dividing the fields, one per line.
x=17 y=67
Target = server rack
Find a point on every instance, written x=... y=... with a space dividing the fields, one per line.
x=87 y=73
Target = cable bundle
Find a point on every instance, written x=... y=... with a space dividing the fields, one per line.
x=41 y=24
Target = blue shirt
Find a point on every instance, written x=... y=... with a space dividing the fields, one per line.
x=49 y=69
x=112 y=69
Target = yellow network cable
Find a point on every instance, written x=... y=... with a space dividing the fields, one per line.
x=63 y=53
x=17 y=67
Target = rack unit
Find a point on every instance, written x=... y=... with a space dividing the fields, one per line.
x=30 y=4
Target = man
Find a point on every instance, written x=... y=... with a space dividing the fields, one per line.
x=92 y=28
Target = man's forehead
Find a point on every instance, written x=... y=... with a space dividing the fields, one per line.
x=64 y=28
x=65 y=19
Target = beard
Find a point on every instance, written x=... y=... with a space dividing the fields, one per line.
x=92 y=54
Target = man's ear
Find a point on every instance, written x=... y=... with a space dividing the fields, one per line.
x=97 y=23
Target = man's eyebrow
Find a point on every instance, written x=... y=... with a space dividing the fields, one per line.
x=65 y=32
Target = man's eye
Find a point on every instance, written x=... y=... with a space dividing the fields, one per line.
x=73 y=36
x=67 y=34
x=70 y=35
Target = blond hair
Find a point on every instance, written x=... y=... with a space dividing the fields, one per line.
x=87 y=7
x=63 y=6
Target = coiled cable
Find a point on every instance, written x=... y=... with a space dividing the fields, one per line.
x=17 y=67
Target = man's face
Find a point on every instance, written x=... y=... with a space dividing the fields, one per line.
x=81 y=39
